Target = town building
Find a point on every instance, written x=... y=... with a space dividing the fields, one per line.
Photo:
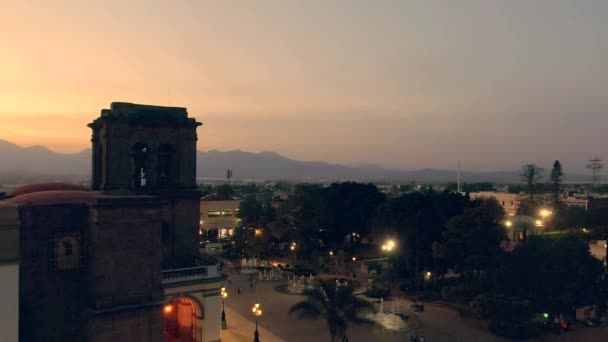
x=119 y=261
x=509 y=202
x=219 y=217
x=9 y=273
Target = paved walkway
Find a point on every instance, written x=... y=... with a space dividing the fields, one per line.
x=241 y=329
x=436 y=323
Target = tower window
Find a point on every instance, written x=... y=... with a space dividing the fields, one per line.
x=66 y=251
x=140 y=158
x=164 y=164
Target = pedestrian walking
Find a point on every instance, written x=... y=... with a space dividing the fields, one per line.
x=238 y=291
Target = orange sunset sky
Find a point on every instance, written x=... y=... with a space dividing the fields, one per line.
x=394 y=83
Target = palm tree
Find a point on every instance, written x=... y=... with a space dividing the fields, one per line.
x=336 y=304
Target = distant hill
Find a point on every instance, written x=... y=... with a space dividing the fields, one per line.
x=30 y=164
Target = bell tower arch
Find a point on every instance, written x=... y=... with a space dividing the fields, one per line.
x=151 y=150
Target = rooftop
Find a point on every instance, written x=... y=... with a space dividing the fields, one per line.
x=145 y=114
x=55 y=197
x=31 y=188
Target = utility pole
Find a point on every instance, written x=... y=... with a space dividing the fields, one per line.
x=458 y=178
x=596 y=165
x=228 y=175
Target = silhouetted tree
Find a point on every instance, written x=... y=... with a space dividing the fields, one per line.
x=555 y=274
x=224 y=190
x=531 y=174
x=416 y=220
x=350 y=208
x=556 y=181
x=473 y=239
x=337 y=305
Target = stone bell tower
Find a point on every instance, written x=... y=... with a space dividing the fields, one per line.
x=151 y=150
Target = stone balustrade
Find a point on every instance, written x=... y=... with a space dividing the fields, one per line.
x=190 y=273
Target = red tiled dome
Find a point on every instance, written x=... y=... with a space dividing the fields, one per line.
x=27 y=189
x=55 y=197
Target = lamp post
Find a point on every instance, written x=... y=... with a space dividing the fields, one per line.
x=544 y=213
x=388 y=246
x=257 y=311
x=224 y=294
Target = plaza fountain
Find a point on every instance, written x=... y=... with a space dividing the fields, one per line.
x=249 y=266
x=297 y=285
x=270 y=274
x=391 y=321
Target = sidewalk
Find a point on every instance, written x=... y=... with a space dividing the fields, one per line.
x=241 y=329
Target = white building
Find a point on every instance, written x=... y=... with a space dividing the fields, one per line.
x=9 y=273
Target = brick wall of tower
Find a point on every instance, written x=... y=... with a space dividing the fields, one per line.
x=124 y=278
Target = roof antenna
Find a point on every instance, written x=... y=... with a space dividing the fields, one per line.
x=458 y=178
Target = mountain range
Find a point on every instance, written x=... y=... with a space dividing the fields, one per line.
x=37 y=163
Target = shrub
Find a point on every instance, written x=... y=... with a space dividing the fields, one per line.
x=378 y=293
x=513 y=330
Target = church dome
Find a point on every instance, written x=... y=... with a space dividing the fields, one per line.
x=55 y=197
x=32 y=188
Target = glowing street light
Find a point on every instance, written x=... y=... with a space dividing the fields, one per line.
x=544 y=213
x=224 y=295
x=257 y=311
x=539 y=223
x=388 y=246
x=168 y=309
x=331 y=252
x=354 y=258
x=509 y=224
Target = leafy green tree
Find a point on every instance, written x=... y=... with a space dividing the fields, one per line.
x=476 y=187
x=557 y=175
x=350 y=208
x=491 y=206
x=307 y=212
x=224 y=190
x=336 y=305
x=405 y=188
x=249 y=189
x=416 y=220
x=473 y=239
x=555 y=274
x=570 y=217
x=251 y=212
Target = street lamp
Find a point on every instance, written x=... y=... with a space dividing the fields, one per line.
x=223 y=294
x=388 y=246
x=544 y=213
x=257 y=311
x=508 y=224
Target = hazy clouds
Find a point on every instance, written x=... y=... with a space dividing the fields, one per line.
x=403 y=83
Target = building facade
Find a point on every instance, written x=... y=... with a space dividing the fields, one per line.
x=9 y=273
x=509 y=202
x=219 y=217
